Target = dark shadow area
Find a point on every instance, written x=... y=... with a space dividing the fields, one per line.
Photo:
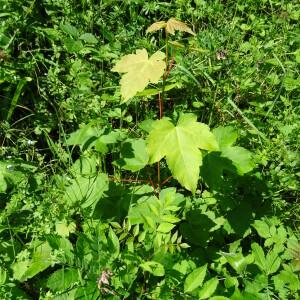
x=196 y=229
x=115 y=202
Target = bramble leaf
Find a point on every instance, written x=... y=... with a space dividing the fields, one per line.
x=140 y=71
x=180 y=145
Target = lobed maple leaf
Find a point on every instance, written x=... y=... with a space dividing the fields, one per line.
x=139 y=71
x=180 y=145
x=170 y=26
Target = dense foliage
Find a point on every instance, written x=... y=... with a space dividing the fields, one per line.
x=149 y=149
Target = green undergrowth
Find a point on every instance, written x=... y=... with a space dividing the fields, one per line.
x=149 y=149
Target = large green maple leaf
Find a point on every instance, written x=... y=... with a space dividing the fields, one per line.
x=180 y=145
x=140 y=71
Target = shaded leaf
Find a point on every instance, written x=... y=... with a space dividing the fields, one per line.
x=241 y=158
x=62 y=279
x=259 y=256
x=134 y=155
x=89 y=38
x=113 y=243
x=154 y=268
x=69 y=29
x=86 y=190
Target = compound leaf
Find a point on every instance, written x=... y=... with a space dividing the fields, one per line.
x=180 y=145
x=140 y=71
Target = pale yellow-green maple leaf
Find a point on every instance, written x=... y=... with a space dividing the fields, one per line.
x=170 y=26
x=139 y=71
x=180 y=145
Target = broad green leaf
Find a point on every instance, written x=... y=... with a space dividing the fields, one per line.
x=208 y=288
x=297 y=55
x=85 y=165
x=113 y=243
x=226 y=136
x=83 y=135
x=3 y=276
x=62 y=279
x=262 y=228
x=89 y=38
x=140 y=71
x=231 y=282
x=41 y=260
x=237 y=261
x=64 y=246
x=19 y=268
x=3 y=183
x=259 y=256
x=219 y=298
x=86 y=190
x=180 y=145
x=134 y=155
x=287 y=277
x=170 y=219
x=165 y=227
x=154 y=268
x=64 y=229
x=241 y=158
x=195 y=279
x=273 y=261
x=73 y=46
x=69 y=29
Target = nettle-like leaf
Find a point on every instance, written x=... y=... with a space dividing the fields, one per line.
x=180 y=145
x=139 y=71
x=241 y=158
x=170 y=26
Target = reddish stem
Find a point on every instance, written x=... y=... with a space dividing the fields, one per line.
x=160 y=106
x=166 y=180
x=128 y=180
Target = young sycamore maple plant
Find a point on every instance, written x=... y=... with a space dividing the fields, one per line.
x=180 y=144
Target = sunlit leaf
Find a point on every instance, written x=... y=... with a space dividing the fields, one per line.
x=170 y=26
x=174 y=24
x=208 y=288
x=140 y=71
x=154 y=268
x=156 y=26
x=195 y=279
x=180 y=145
